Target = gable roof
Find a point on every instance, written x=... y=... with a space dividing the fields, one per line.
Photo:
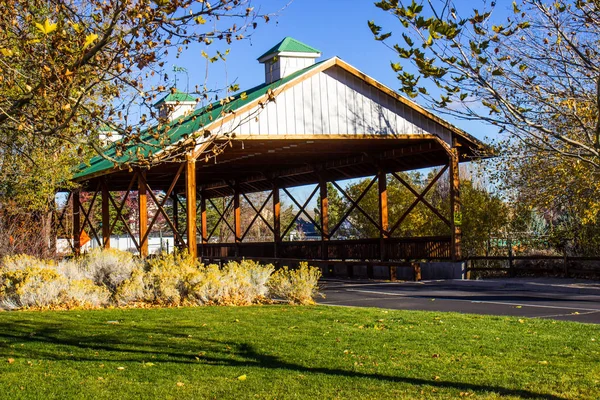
x=180 y=130
x=291 y=45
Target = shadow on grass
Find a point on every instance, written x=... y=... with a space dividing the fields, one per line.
x=51 y=341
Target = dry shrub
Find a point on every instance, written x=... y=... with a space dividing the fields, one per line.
x=85 y=293
x=239 y=284
x=166 y=281
x=297 y=286
x=132 y=290
x=24 y=261
x=31 y=287
x=105 y=277
x=110 y=267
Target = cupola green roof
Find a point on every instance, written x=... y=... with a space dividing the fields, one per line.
x=291 y=45
x=174 y=97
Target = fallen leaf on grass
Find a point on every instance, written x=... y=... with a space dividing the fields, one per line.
x=435 y=355
x=543 y=362
x=120 y=368
x=436 y=378
x=11 y=360
x=242 y=378
x=521 y=321
x=180 y=384
x=112 y=322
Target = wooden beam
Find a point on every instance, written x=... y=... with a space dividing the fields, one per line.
x=105 y=217
x=190 y=204
x=257 y=214
x=422 y=199
x=419 y=199
x=143 y=213
x=76 y=222
x=455 y=206
x=384 y=233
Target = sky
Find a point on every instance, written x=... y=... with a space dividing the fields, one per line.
x=335 y=27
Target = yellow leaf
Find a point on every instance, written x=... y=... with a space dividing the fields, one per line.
x=543 y=362
x=242 y=377
x=89 y=39
x=180 y=384
x=11 y=360
x=47 y=28
x=6 y=52
x=120 y=368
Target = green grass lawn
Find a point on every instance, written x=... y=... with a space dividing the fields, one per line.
x=293 y=352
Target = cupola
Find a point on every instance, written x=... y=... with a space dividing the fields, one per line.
x=175 y=104
x=287 y=57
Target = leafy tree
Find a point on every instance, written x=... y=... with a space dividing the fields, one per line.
x=68 y=68
x=535 y=75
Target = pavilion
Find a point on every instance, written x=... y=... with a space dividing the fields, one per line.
x=308 y=123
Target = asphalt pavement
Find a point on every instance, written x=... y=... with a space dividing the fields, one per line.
x=554 y=299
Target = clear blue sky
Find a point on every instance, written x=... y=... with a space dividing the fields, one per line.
x=336 y=27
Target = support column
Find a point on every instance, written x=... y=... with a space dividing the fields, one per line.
x=76 y=222
x=105 y=217
x=276 y=220
x=190 y=204
x=324 y=218
x=384 y=234
x=143 y=213
x=455 y=206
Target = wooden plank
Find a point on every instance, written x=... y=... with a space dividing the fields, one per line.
x=190 y=205
x=105 y=216
x=142 y=214
x=76 y=222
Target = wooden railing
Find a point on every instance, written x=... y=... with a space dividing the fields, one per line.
x=418 y=248
x=533 y=265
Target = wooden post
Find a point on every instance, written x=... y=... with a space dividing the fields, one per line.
x=276 y=220
x=324 y=218
x=455 y=206
x=384 y=234
x=190 y=204
x=76 y=222
x=143 y=213
x=105 y=217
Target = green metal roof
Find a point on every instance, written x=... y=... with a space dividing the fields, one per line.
x=177 y=96
x=178 y=129
x=290 y=45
